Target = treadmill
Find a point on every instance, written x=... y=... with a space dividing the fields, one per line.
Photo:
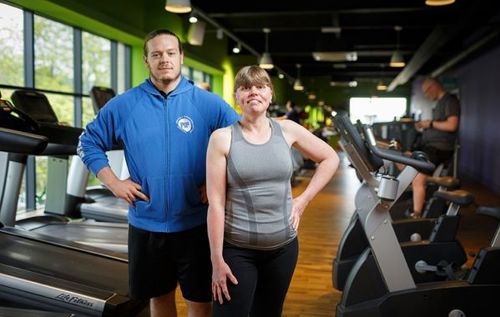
x=44 y=273
x=62 y=143
x=98 y=202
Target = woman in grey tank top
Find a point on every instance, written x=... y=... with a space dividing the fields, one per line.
x=252 y=217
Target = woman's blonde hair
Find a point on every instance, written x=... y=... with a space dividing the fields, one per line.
x=253 y=75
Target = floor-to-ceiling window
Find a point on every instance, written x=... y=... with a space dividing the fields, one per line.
x=12 y=60
x=63 y=62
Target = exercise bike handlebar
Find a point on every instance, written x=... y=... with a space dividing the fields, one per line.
x=425 y=167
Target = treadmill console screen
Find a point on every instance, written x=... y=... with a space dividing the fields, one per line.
x=100 y=96
x=35 y=104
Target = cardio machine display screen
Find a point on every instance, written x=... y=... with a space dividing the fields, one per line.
x=100 y=96
x=36 y=105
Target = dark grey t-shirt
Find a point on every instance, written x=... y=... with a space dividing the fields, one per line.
x=446 y=107
x=259 y=196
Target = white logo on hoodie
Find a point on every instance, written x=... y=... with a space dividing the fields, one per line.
x=185 y=124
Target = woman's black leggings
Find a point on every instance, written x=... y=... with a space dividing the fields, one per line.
x=263 y=280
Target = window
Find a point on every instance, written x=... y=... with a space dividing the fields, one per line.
x=11 y=47
x=53 y=56
x=56 y=62
x=186 y=71
x=371 y=110
x=197 y=76
x=121 y=73
x=96 y=58
x=87 y=111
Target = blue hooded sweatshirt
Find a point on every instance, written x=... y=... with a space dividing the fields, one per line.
x=165 y=138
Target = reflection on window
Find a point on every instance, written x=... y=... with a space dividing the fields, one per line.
x=11 y=46
x=96 y=59
x=53 y=55
x=378 y=109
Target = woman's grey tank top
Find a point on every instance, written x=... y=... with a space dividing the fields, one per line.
x=259 y=197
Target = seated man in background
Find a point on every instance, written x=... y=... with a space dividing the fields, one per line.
x=438 y=135
x=291 y=113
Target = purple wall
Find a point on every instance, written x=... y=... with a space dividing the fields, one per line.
x=479 y=87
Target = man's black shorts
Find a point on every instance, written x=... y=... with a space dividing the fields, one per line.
x=437 y=156
x=158 y=260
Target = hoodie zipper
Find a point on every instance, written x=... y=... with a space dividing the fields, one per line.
x=167 y=157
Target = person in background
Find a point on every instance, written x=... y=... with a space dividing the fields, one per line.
x=164 y=124
x=253 y=218
x=439 y=135
x=297 y=157
x=291 y=113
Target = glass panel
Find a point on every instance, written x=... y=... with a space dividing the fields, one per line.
x=53 y=55
x=93 y=181
x=121 y=69
x=186 y=71
x=11 y=46
x=207 y=78
x=197 y=76
x=63 y=107
x=88 y=111
x=41 y=179
x=21 y=200
x=96 y=58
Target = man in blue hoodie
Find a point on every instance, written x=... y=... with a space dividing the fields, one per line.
x=164 y=125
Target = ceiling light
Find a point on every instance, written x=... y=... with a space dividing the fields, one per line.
x=237 y=48
x=438 y=2
x=397 y=59
x=178 y=6
x=266 y=61
x=193 y=18
x=381 y=86
x=281 y=76
x=297 y=85
x=335 y=56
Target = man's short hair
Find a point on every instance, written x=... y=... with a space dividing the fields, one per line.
x=155 y=33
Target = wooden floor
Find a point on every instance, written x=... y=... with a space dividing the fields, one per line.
x=311 y=293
